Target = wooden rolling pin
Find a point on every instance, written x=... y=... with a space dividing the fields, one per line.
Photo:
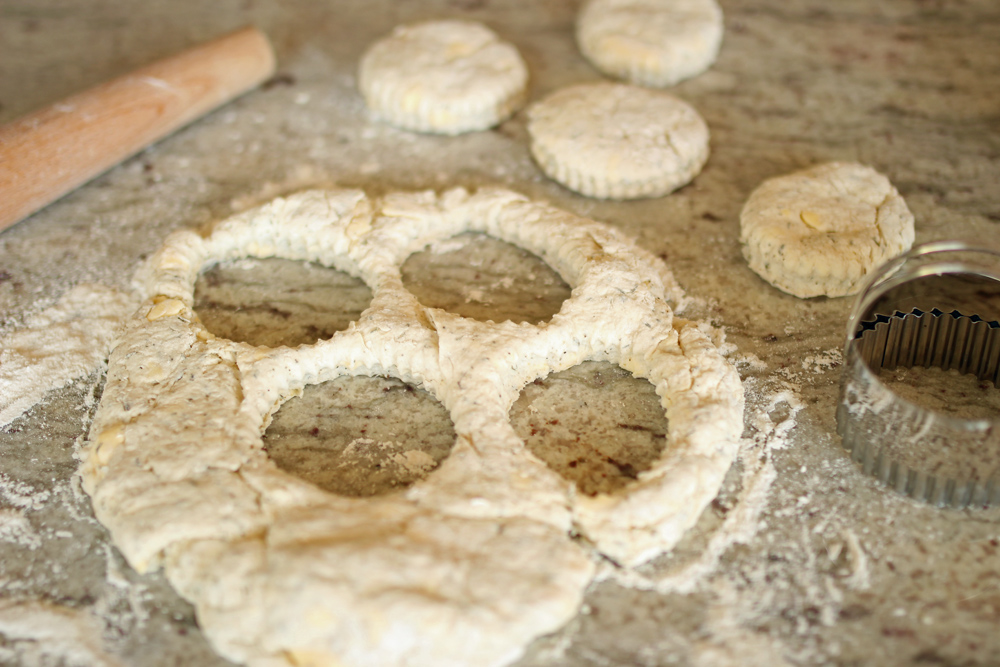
x=49 y=152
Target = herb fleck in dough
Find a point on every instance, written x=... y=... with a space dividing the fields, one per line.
x=650 y=42
x=615 y=141
x=284 y=573
x=823 y=230
x=443 y=77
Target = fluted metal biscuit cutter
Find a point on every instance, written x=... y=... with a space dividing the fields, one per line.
x=936 y=306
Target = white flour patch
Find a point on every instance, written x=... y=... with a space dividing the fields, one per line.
x=476 y=295
x=15 y=528
x=414 y=461
x=124 y=605
x=859 y=579
x=444 y=246
x=38 y=633
x=774 y=417
x=728 y=639
x=21 y=495
x=65 y=342
x=739 y=527
x=749 y=361
x=824 y=361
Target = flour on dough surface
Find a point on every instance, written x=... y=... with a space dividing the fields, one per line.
x=650 y=42
x=61 y=344
x=281 y=572
x=823 y=230
x=615 y=141
x=444 y=77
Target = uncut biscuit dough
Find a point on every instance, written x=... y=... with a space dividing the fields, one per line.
x=445 y=77
x=283 y=573
x=650 y=42
x=615 y=141
x=823 y=230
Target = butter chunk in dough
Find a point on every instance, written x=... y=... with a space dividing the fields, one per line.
x=443 y=77
x=823 y=230
x=650 y=42
x=615 y=141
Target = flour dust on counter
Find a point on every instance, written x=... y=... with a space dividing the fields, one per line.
x=63 y=343
x=41 y=633
x=823 y=565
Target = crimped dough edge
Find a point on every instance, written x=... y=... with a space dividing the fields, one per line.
x=410 y=101
x=618 y=52
x=808 y=263
x=564 y=159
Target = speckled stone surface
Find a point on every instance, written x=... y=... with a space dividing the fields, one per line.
x=833 y=570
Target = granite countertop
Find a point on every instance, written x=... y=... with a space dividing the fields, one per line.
x=826 y=567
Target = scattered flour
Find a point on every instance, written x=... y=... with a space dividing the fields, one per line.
x=739 y=527
x=769 y=432
x=15 y=528
x=20 y=495
x=749 y=361
x=414 y=461
x=124 y=605
x=775 y=435
x=34 y=633
x=824 y=361
x=859 y=576
x=63 y=343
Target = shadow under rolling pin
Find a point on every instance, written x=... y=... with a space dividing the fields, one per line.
x=54 y=150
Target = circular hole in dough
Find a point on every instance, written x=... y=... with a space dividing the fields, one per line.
x=277 y=302
x=444 y=77
x=360 y=436
x=483 y=278
x=615 y=141
x=822 y=230
x=595 y=424
x=650 y=42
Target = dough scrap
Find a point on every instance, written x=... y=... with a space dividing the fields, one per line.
x=650 y=42
x=443 y=77
x=469 y=564
x=823 y=230
x=615 y=141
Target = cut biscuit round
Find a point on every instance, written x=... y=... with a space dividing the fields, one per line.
x=650 y=42
x=443 y=77
x=616 y=141
x=823 y=230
